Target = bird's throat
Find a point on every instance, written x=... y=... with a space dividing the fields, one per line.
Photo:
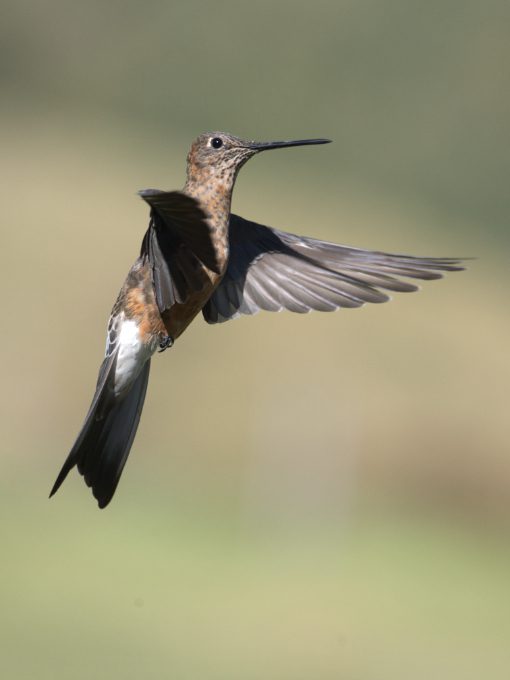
x=214 y=195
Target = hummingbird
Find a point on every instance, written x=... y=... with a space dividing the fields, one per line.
x=196 y=256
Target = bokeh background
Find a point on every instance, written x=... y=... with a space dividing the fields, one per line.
x=322 y=496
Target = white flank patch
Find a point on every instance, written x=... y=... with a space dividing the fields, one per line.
x=131 y=357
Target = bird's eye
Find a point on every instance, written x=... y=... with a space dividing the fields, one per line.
x=216 y=143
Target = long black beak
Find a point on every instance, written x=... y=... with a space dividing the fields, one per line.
x=263 y=146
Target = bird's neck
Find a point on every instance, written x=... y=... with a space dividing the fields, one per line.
x=213 y=190
x=214 y=194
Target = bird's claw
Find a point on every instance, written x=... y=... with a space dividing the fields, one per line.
x=165 y=343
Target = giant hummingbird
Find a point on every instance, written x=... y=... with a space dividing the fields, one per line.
x=197 y=256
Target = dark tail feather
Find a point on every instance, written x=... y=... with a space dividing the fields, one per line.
x=103 y=445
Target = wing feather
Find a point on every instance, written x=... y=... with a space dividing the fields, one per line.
x=178 y=244
x=274 y=270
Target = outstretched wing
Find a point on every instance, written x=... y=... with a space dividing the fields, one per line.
x=273 y=270
x=177 y=245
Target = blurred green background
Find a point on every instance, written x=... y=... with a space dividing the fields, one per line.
x=321 y=496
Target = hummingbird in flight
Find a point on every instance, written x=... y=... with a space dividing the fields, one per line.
x=197 y=256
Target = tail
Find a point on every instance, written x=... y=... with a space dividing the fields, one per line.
x=103 y=445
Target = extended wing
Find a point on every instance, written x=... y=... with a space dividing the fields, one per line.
x=274 y=270
x=177 y=245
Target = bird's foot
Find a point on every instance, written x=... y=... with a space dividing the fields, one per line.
x=166 y=342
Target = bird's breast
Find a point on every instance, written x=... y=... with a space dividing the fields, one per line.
x=179 y=316
x=139 y=302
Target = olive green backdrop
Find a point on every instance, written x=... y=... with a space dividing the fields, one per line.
x=319 y=496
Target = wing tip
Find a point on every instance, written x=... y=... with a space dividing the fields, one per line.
x=148 y=193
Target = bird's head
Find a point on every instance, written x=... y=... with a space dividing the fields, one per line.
x=217 y=157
